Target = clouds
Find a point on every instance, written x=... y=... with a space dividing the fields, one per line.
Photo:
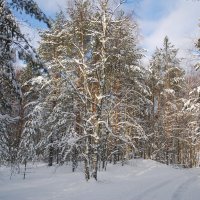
x=179 y=22
x=50 y=7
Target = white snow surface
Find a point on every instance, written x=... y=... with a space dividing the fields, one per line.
x=138 y=180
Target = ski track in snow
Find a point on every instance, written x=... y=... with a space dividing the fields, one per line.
x=139 y=180
x=179 y=194
x=151 y=190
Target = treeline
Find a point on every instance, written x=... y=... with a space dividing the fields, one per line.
x=86 y=97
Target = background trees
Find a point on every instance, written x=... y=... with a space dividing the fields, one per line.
x=170 y=120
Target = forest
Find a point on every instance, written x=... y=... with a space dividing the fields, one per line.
x=84 y=95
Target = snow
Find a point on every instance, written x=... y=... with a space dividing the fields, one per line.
x=8 y=118
x=169 y=92
x=38 y=80
x=198 y=90
x=137 y=180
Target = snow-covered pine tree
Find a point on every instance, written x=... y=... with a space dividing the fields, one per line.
x=12 y=42
x=167 y=85
x=10 y=94
x=60 y=122
x=100 y=45
x=35 y=112
x=58 y=45
x=191 y=110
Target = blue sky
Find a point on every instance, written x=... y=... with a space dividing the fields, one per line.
x=178 y=19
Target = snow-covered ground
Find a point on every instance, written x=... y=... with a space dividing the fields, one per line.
x=138 y=180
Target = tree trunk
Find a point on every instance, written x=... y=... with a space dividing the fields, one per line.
x=51 y=152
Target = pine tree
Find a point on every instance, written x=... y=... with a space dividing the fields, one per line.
x=13 y=44
x=10 y=94
x=191 y=110
x=167 y=86
x=89 y=51
x=59 y=122
x=34 y=115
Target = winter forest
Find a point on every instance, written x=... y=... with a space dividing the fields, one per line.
x=85 y=98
